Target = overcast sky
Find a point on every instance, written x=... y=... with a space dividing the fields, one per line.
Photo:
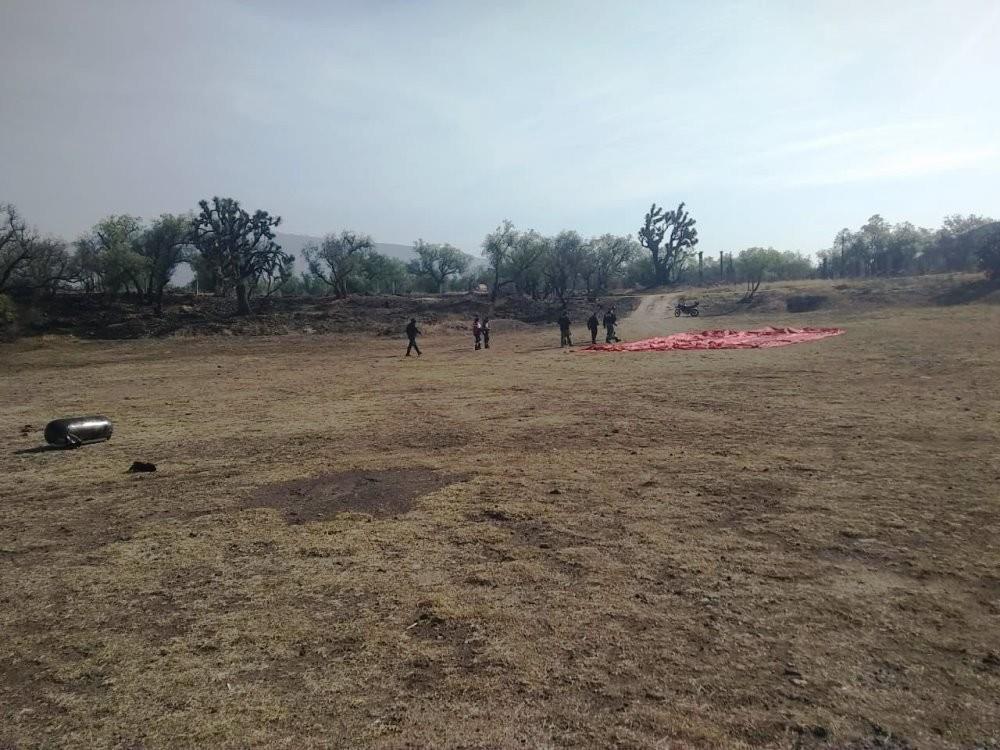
x=777 y=122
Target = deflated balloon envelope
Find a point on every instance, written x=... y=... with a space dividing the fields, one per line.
x=73 y=431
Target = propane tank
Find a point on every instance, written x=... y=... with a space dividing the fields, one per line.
x=75 y=431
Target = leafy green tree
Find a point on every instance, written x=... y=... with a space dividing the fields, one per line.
x=641 y=272
x=303 y=284
x=438 y=263
x=904 y=245
x=471 y=279
x=108 y=256
x=237 y=245
x=989 y=253
x=954 y=247
x=164 y=246
x=670 y=237
x=384 y=274
x=337 y=260
x=497 y=249
x=563 y=257
x=523 y=265
x=612 y=254
x=752 y=264
x=207 y=276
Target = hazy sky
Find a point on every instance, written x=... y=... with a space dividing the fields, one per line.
x=777 y=122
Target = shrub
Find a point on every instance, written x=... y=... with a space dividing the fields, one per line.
x=989 y=257
x=7 y=311
x=804 y=303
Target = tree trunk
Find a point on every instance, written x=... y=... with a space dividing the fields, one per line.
x=242 y=299
x=158 y=303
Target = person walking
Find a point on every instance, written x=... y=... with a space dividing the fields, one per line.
x=477 y=333
x=486 y=333
x=411 y=333
x=564 y=334
x=609 y=326
x=592 y=325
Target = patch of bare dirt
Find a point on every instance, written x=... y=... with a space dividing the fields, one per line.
x=381 y=494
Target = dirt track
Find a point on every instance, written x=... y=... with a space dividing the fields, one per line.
x=784 y=548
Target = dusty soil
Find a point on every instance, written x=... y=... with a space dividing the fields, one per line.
x=786 y=548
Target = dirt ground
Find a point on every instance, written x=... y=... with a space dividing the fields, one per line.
x=524 y=547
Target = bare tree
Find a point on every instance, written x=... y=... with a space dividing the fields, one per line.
x=15 y=245
x=239 y=245
x=669 y=236
x=753 y=263
x=29 y=262
x=338 y=258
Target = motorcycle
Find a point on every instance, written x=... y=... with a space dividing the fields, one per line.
x=686 y=309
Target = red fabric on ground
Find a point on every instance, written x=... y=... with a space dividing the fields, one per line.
x=759 y=338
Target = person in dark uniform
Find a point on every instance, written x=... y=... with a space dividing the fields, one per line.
x=564 y=335
x=477 y=333
x=609 y=326
x=486 y=333
x=592 y=325
x=411 y=333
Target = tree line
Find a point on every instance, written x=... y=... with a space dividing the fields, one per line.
x=878 y=248
x=233 y=253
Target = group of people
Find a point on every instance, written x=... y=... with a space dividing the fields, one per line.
x=610 y=321
x=481 y=330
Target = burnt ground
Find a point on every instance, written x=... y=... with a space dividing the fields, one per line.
x=374 y=493
x=97 y=317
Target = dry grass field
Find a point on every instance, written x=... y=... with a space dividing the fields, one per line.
x=524 y=547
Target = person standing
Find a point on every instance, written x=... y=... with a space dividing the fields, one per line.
x=592 y=325
x=609 y=326
x=411 y=333
x=564 y=334
x=477 y=333
x=486 y=333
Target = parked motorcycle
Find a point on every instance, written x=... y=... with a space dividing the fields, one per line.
x=686 y=309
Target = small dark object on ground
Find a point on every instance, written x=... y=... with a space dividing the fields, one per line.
x=72 y=432
x=140 y=466
x=804 y=303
